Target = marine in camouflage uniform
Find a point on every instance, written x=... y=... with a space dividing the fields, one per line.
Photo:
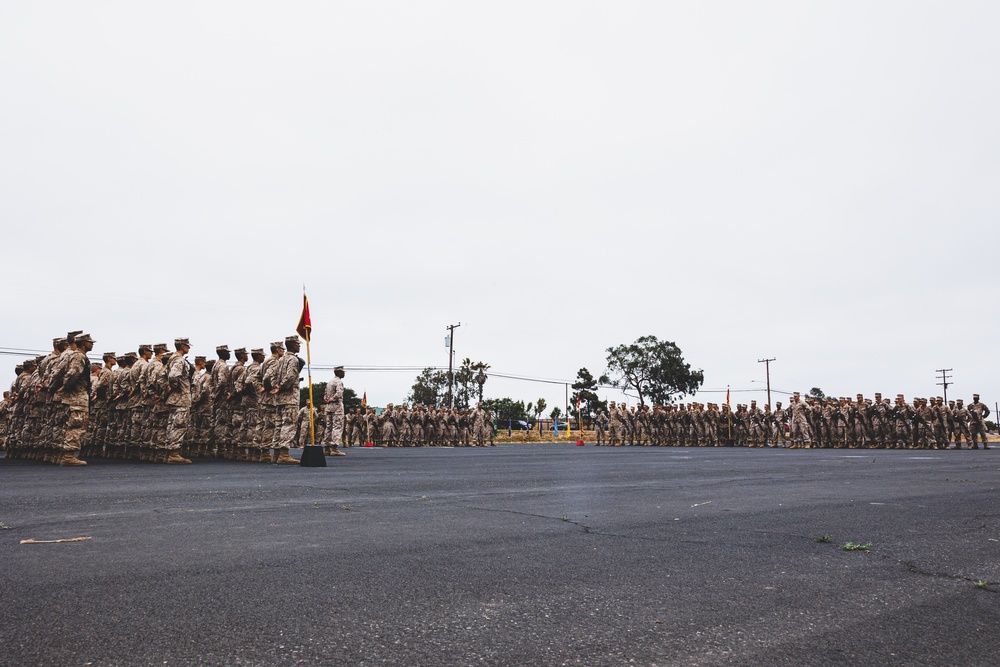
x=15 y=448
x=333 y=401
x=801 y=436
x=962 y=418
x=251 y=396
x=267 y=405
x=219 y=440
x=237 y=411
x=978 y=412
x=136 y=406
x=286 y=398
x=902 y=414
x=100 y=396
x=74 y=394
x=119 y=405
x=5 y=408
x=88 y=441
x=178 y=399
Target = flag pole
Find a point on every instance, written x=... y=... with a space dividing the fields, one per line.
x=312 y=415
x=310 y=457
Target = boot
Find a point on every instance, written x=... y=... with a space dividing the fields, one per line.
x=335 y=451
x=174 y=458
x=284 y=459
x=67 y=459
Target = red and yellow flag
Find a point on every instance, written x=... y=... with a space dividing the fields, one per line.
x=364 y=400
x=305 y=322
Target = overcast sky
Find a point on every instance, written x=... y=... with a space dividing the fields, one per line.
x=817 y=182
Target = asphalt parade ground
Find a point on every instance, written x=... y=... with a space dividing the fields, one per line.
x=544 y=554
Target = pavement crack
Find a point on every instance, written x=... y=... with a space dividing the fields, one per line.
x=916 y=569
x=587 y=529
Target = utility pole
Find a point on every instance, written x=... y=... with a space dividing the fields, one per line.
x=767 y=367
x=451 y=358
x=944 y=381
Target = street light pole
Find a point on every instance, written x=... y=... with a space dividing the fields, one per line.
x=767 y=366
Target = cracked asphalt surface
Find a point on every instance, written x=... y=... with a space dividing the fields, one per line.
x=517 y=555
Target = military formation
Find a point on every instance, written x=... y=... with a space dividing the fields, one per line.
x=419 y=426
x=154 y=405
x=926 y=423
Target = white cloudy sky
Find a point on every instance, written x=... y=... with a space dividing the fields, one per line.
x=811 y=181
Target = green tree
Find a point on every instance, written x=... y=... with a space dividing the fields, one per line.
x=505 y=409
x=816 y=392
x=430 y=388
x=556 y=413
x=467 y=387
x=654 y=369
x=584 y=390
x=540 y=406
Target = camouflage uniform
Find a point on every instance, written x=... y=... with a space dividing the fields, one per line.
x=74 y=393
x=286 y=399
x=978 y=412
x=179 y=402
x=333 y=399
x=219 y=440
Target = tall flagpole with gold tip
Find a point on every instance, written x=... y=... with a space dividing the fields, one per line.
x=304 y=329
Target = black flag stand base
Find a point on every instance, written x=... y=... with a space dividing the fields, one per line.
x=312 y=457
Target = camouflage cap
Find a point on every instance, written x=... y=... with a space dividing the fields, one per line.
x=160 y=347
x=279 y=345
x=40 y=358
x=60 y=341
x=240 y=350
x=291 y=339
x=29 y=362
x=71 y=336
x=182 y=341
x=338 y=368
x=96 y=364
x=975 y=396
x=222 y=348
x=85 y=338
x=128 y=355
x=199 y=358
x=257 y=350
x=142 y=348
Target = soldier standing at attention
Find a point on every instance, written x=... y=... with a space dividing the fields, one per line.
x=268 y=374
x=962 y=417
x=222 y=392
x=286 y=399
x=800 y=434
x=74 y=394
x=179 y=401
x=978 y=413
x=333 y=398
x=237 y=413
x=251 y=396
x=615 y=429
